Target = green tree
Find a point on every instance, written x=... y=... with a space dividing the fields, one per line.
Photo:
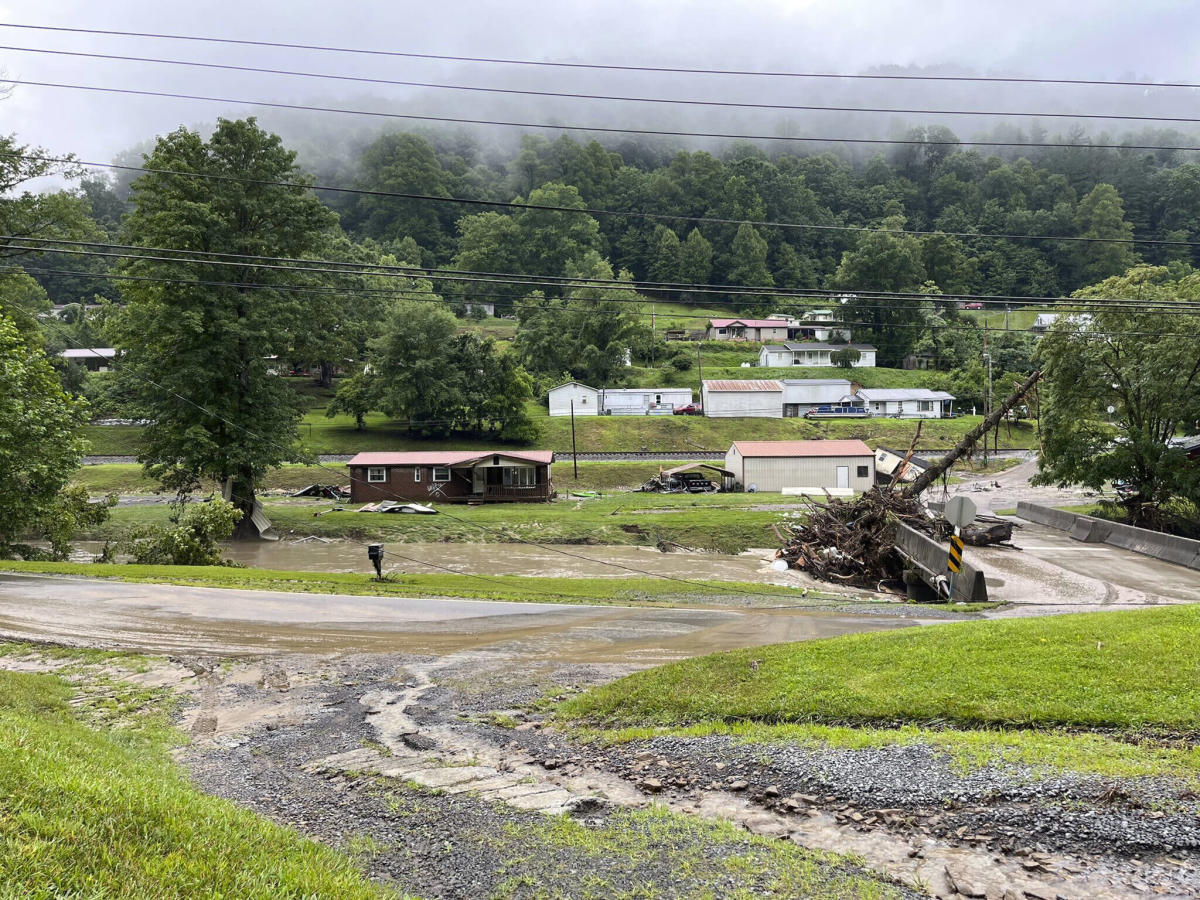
x=356 y=396
x=40 y=449
x=695 y=258
x=410 y=360
x=192 y=539
x=888 y=262
x=1142 y=365
x=845 y=358
x=1101 y=216
x=667 y=260
x=199 y=358
x=747 y=265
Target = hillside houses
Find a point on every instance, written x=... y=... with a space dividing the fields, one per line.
x=811 y=353
x=814 y=325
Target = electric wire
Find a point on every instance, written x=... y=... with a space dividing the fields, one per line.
x=592 y=129
x=409 y=272
x=727 y=104
x=604 y=66
x=592 y=211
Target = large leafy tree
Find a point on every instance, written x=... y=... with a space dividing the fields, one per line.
x=200 y=358
x=889 y=262
x=40 y=448
x=1120 y=385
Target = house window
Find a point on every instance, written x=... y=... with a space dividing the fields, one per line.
x=583 y=400
x=926 y=406
x=416 y=473
x=376 y=474
x=864 y=472
x=720 y=331
x=441 y=473
x=523 y=477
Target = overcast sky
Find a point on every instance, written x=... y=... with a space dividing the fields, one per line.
x=1107 y=39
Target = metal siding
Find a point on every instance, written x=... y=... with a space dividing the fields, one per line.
x=775 y=473
x=560 y=400
x=751 y=404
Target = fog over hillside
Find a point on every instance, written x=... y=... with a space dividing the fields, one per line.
x=1093 y=40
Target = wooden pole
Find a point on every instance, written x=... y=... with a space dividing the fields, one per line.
x=574 y=455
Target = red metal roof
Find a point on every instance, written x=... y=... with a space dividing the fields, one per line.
x=447 y=457
x=747 y=384
x=802 y=448
x=750 y=323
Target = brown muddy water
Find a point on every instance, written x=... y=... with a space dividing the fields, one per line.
x=567 y=561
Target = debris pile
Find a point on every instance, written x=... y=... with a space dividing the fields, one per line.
x=851 y=541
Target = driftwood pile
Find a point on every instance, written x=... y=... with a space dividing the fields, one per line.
x=853 y=542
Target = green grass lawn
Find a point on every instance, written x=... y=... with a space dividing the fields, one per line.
x=106 y=814
x=724 y=522
x=1096 y=670
x=669 y=434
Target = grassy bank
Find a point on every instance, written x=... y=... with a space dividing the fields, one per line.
x=1095 y=670
x=516 y=588
x=668 y=434
x=88 y=813
x=724 y=522
x=1099 y=693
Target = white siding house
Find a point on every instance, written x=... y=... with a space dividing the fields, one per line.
x=802 y=394
x=811 y=353
x=906 y=403
x=804 y=467
x=747 y=330
x=642 y=401
x=742 y=399
x=587 y=399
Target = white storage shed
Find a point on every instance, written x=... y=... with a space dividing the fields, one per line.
x=733 y=399
x=842 y=468
x=586 y=399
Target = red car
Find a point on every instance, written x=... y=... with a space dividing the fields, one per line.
x=690 y=409
x=972 y=306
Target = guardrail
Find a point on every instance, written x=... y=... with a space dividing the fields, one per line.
x=1091 y=530
x=929 y=559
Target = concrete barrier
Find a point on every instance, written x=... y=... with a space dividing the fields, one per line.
x=1089 y=529
x=930 y=557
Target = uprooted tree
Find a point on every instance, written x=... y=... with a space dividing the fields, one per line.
x=853 y=542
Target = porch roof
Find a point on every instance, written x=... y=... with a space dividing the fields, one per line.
x=449 y=457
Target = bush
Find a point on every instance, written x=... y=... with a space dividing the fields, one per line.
x=191 y=539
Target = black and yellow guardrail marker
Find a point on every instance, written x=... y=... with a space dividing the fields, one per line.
x=954 y=561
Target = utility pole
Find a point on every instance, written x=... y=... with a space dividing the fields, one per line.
x=700 y=365
x=574 y=455
x=988 y=399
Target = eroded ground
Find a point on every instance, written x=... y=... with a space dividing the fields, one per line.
x=444 y=776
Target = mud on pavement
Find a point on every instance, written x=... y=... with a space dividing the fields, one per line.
x=439 y=776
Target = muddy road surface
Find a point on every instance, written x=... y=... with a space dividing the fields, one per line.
x=174 y=619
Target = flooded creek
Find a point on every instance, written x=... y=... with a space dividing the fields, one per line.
x=574 y=561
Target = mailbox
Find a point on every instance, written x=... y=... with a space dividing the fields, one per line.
x=375 y=555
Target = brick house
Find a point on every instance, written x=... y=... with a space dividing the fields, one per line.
x=452 y=476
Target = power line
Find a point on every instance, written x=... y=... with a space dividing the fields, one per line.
x=724 y=104
x=592 y=211
x=591 y=129
x=605 y=66
x=380 y=270
x=1076 y=305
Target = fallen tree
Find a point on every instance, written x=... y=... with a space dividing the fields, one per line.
x=852 y=542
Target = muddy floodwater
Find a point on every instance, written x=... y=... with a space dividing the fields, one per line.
x=568 y=560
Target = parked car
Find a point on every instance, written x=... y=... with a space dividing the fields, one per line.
x=973 y=305
x=689 y=409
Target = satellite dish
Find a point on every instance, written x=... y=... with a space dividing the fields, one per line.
x=753 y=489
